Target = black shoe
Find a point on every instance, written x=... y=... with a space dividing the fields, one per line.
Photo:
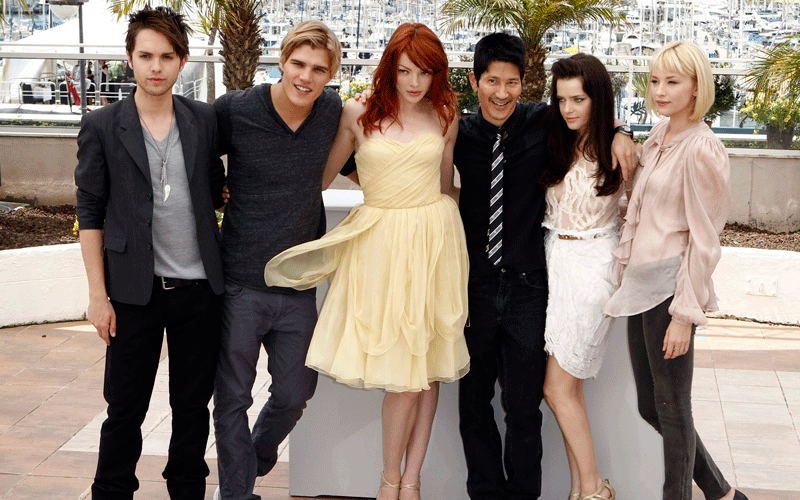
x=738 y=495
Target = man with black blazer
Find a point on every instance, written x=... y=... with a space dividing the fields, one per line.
x=149 y=178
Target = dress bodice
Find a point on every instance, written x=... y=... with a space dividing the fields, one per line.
x=396 y=174
x=573 y=204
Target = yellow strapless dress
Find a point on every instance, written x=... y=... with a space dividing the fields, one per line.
x=396 y=307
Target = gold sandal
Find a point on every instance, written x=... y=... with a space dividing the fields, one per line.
x=596 y=495
x=410 y=486
x=387 y=484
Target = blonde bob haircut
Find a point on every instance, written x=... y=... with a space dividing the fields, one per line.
x=687 y=59
x=318 y=36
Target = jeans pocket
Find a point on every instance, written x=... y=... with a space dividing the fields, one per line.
x=232 y=290
x=536 y=280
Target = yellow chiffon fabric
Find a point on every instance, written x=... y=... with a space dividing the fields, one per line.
x=396 y=307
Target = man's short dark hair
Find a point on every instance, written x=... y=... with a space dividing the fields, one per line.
x=499 y=47
x=162 y=20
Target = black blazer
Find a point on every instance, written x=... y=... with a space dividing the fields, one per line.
x=115 y=191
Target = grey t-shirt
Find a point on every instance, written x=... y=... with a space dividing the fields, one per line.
x=274 y=177
x=177 y=254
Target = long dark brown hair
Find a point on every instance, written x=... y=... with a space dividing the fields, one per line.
x=563 y=144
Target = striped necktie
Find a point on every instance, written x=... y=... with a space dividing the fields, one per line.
x=494 y=248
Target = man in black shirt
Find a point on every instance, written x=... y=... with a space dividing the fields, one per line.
x=502 y=210
x=277 y=138
x=507 y=300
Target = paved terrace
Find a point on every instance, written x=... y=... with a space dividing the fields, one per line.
x=746 y=406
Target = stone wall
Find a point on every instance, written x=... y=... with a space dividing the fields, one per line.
x=38 y=169
x=765 y=183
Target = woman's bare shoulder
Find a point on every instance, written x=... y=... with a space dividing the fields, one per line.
x=353 y=106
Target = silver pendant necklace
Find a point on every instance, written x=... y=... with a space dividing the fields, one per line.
x=164 y=156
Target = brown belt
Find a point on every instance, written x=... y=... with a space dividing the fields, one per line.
x=571 y=237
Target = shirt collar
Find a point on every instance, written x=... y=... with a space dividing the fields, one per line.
x=697 y=129
x=510 y=124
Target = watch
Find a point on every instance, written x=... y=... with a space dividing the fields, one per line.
x=624 y=129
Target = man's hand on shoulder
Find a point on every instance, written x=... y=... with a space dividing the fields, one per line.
x=624 y=154
x=102 y=316
x=363 y=96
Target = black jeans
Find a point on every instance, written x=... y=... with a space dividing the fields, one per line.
x=192 y=316
x=664 y=391
x=505 y=337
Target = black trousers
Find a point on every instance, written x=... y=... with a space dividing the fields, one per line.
x=191 y=316
x=664 y=392
x=505 y=338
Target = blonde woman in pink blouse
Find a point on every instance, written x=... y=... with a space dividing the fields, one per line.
x=668 y=249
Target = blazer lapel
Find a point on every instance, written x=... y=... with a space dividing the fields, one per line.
x=188 y=135
x=132 y=137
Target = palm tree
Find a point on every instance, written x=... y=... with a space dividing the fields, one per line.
x=776 y=72
x=531 y=19
x=241 y=42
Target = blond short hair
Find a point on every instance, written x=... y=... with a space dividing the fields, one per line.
x=317 y=35
x=688 y=59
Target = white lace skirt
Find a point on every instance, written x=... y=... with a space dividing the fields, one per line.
x=579 y=280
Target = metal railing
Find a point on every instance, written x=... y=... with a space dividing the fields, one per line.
x=630 y=107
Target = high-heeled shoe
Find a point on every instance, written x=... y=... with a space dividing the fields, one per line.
x=574 y=496
x=596 y=495
x=410 y=486
x=387 y=484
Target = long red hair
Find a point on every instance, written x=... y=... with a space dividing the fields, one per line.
x=425 y=50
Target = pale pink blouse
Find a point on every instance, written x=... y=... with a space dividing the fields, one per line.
x=670 y=239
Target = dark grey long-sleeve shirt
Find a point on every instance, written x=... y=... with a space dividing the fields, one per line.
x=274 y=177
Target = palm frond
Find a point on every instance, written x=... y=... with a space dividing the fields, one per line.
x=21 y=3
x=530 y=18
x=491 y=14
x=776 y=72
x=124 y=7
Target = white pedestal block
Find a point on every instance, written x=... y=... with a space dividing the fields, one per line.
x=336 y=446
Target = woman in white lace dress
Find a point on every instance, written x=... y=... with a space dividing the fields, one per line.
x=582 y=219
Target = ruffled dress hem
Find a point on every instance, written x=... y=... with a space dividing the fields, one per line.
x=360 y=383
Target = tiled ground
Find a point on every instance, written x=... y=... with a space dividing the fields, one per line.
x=746 y=405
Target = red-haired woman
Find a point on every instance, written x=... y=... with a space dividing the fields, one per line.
x=395 y=311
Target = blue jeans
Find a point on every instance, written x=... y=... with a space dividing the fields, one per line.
x=505 y=337
x=283 y=323
x=664 y=392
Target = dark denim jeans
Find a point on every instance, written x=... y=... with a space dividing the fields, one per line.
x=664 y=390
x=283 y=324
x=505 y=337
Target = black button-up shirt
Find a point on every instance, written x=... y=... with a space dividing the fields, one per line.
x=525 y=154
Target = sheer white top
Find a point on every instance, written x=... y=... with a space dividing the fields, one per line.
x=573 y=205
